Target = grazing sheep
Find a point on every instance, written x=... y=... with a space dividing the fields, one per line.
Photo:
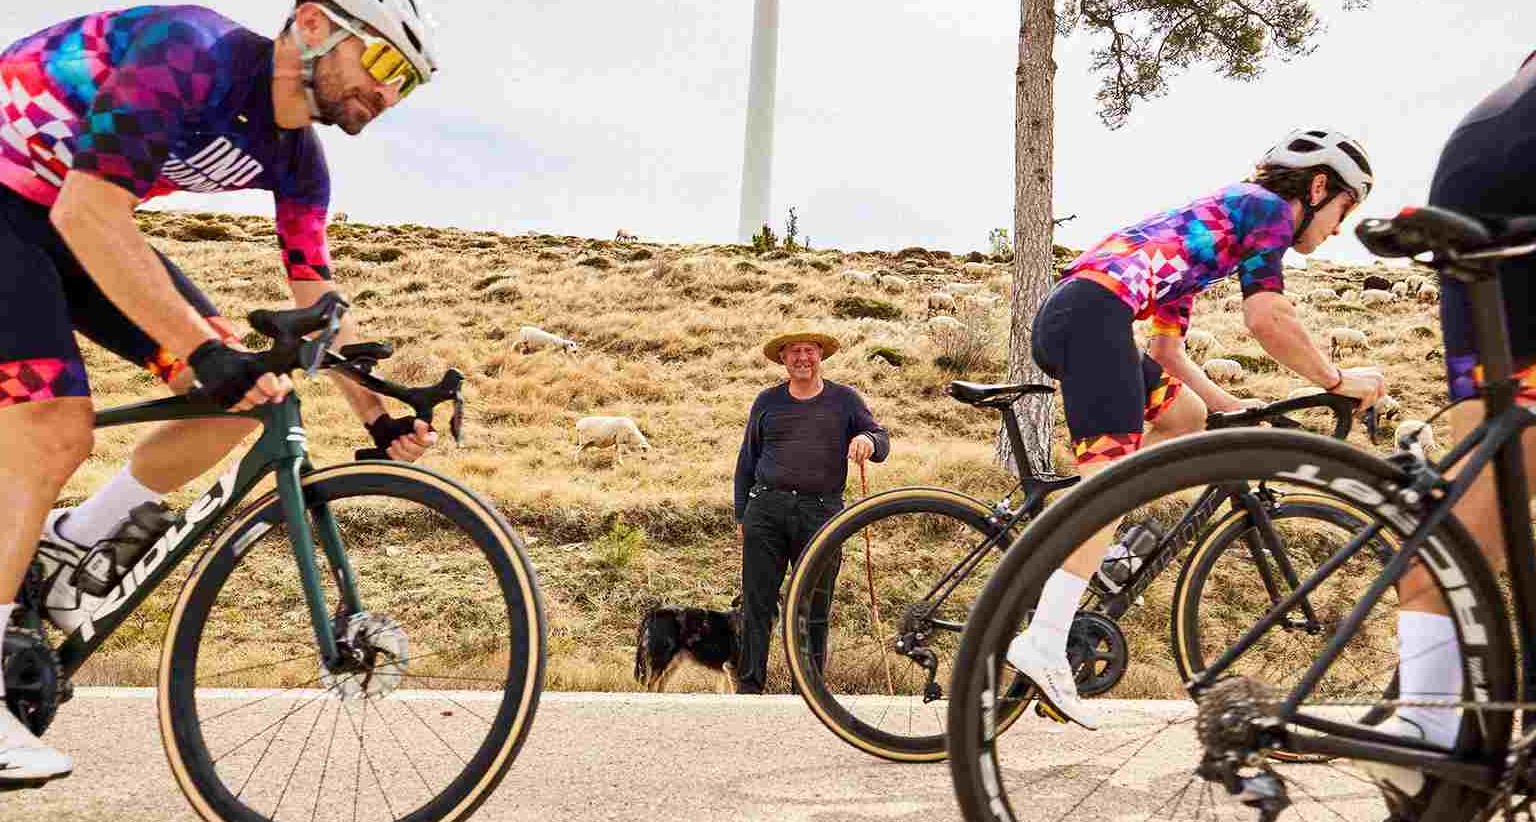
x=1375 y=296
x=623 y=236
x=976 y=269
x=1376 y=282
x=1420 y=437
x=853 y=275
x=1400 y=288
x=1350 y=296
x=944 y=324
x=1428 y=293
x=1224 y=370
x=983 y=301
x=894 y=284
x=958 y=289
x=531 y=338
x=601 y=432
x=938 y=300
x=1416 y=281
x=1319 y=296
x=1388 y=407
x=1346 y=339
x=339 y=217
x=1199 y=342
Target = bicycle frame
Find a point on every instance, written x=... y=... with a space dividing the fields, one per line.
x=1496 y=441
x=281 y=449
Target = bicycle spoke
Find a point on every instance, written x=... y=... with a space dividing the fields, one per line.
x=396 y=740
x=298 y=759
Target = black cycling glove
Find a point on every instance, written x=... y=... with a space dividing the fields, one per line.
x=386 y=429
x=224 y=373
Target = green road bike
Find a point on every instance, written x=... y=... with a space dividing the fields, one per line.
x=364 y=641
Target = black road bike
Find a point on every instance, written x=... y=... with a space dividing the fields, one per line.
x=871 y=641
x=363 y=641
x=1220 y=758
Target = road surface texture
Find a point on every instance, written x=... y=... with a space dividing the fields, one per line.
x=656 y=758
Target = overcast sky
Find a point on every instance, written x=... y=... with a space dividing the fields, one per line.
x=895 y=117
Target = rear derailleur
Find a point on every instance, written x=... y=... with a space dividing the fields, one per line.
x=1236 y=723
x=912 y=642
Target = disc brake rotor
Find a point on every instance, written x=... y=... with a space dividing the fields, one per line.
x=375 y=657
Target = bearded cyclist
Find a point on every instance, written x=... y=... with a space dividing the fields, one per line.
x=97 y=115
x=1301 y=191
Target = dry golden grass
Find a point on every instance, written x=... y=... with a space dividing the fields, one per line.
x=671 y=336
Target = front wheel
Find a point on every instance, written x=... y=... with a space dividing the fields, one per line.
x=448 y=656
x=1146 y=754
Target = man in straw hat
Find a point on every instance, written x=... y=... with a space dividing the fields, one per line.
x=790 y=474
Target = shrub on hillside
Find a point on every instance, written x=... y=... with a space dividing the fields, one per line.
x=968 y=347
x=854 y=308
x=207 y=232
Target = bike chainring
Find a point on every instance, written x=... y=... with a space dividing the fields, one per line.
x=32 y=679
x=374 y=658
x=1097 y=652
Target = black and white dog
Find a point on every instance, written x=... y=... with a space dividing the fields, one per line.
x=671 y=635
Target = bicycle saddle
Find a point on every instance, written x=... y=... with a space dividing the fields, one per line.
x=993 y=396
x=1416 y=230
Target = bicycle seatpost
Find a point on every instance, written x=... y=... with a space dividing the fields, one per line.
x=1016 y=443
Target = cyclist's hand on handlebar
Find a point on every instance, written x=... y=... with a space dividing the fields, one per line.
x=235 y=379
x=1368 y=385
x=1234 y=404
x=404 y=439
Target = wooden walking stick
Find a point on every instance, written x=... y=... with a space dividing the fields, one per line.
x=869 y=578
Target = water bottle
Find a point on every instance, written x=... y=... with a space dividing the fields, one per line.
x=1137 y=542
x=104 y=566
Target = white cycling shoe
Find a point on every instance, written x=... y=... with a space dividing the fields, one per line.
x=24 y=760
x=1054 y=683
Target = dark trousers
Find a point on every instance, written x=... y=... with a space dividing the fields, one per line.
x=775 y=529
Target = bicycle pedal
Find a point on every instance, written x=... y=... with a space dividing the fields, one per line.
x=1044 y=710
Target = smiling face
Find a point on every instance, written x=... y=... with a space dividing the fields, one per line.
x=802 y=360
x=346 y=93
x=1325 y=223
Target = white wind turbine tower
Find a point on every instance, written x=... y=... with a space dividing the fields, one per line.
x=757 y=156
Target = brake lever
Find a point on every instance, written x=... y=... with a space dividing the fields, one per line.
x=323 y=341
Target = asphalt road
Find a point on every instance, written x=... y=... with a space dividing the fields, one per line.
x=649 y=758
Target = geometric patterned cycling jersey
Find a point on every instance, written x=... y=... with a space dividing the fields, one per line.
x=158 y=99
x=1158 y=265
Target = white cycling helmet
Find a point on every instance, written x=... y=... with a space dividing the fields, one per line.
x=1306 y=148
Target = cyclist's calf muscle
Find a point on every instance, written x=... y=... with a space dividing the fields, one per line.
x=1478 y=511
x=41 y=445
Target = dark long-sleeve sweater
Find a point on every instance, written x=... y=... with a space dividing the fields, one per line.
x=803 y=444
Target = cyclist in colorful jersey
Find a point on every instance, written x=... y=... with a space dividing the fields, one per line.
x=97 y=115
x=1301 y=191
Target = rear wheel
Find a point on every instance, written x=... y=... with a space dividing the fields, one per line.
x=885 y=701
x=1145 y=754
x=447 y=659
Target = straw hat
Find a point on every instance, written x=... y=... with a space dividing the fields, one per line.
x=774 y=347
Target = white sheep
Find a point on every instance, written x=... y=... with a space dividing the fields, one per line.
x=1350 y=296
x=623 y=236
x=601 y=432
x=938 y=301
x=894 y=284
x=1388 y=407
x=1224 y=370
x=858 y=277
x=1420 y=437
x=1416 y=281
x=1376 y=296
x=982 y=301
x=1343 y=338
x=976 y=269
x=1428 y=292
x=339 y=217
x=958 y=289
x=944 y=324
x=1319 y=296
x=1199 y=342
x=1400 y=288
x=532 y=338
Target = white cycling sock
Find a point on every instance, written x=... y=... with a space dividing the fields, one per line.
x=5 y=619
x=99 y=516
x=1429 y=665
x=1053 y=614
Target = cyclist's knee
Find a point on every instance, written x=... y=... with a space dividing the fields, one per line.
x=1185 y=415
x=1416 y=591
x=48 y=439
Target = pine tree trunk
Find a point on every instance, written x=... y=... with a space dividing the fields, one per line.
x=1032 y=261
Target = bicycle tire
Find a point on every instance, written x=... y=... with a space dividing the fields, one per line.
x=376 y=485
x=971 y=515
x=1224 y=535
x=1194 y=462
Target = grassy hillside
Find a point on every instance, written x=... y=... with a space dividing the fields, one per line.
x=670 y=335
